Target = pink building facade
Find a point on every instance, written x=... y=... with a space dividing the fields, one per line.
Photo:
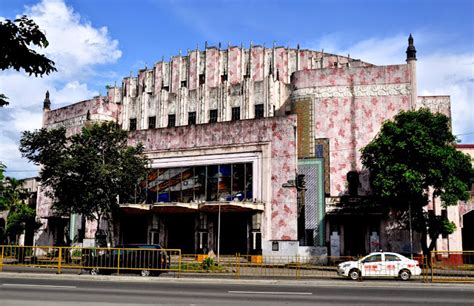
x=231 y=133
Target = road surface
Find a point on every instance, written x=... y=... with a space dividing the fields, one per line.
x=112 y=290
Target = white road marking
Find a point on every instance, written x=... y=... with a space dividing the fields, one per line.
x=33 y=285
x=271 y=292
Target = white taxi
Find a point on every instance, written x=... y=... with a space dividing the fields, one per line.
x=380 y=264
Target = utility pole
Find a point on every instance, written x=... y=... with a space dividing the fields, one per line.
x=219 y=234
x=411 y=231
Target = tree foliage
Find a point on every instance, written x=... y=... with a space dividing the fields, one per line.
x=15 y=52
x=414 y=159
x=88 y=173
x=20 y=215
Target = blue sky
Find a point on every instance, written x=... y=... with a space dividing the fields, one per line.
x=96 y=43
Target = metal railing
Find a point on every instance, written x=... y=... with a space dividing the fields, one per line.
x=94 y=260
x=451 y=266
x=444 y=266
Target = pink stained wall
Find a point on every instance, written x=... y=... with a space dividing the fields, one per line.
x=380 y=75
x=277 y=130
x=351 y=122
x=72 y=117
x=235 y=65
x=439 y=104
x=141 y=81
x=158 y=77
x=212 y=67
x=281 y=63
x=193 y=67
x=304 y=59
x=257 y=63
x=175 y=74
x=96 y=106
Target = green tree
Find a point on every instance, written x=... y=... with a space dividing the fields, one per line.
x=2 y=201
x=20 y=214
x=15 y=52
x=87 y=173
x=2 y=179
x=412 y=160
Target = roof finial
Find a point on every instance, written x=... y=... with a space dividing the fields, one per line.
x=47 y=102
x=411 y=51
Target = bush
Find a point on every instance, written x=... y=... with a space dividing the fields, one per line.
x=208 y=263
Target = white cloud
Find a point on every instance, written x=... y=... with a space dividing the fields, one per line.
x=75 y=45
x=439 y=71
x=78 y=48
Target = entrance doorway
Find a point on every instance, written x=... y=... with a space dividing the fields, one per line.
x=354 y=238
x=467 y=236
x=134 y=228
x=234 y=233
x=181 y=232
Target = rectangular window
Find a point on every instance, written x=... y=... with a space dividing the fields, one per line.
x=191 y=118
x=259 y=111
x=212 y=182
x=152 y=122
x=224 y=183
x=213 y=116
x=202 y=79
x=319 y=151
x=235 y=113
x=163 y=186
x=151 y=186
x=171 y=120
x=183 y=83
x=238 y=182
x=133 y=124
x=187 y=186
x=223 y=78
x=175 y=184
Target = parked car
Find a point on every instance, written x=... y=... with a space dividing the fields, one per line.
x=380 y=264
x=148 y=259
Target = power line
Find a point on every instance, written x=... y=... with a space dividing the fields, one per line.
x=469 y=133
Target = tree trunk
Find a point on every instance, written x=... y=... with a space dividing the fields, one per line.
x=111 y=231
x=97 y=231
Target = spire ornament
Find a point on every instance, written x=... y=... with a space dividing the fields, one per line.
x=411 y=51
x=47 y=102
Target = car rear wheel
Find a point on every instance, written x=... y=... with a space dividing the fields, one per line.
x=94 y=271
x=404 y=274
x=354 y=274
x=145 y=272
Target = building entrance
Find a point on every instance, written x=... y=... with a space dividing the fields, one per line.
x=234 y=233
x=181 y=232
x=354 y=238
x=467 y=230
x=134 y=228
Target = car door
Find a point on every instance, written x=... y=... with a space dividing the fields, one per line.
x=372 y=265
x=392 y=264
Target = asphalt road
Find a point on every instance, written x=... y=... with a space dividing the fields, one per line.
x=90 y=290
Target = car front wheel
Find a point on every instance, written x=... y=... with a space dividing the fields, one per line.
x=404 y=274
x=354 y=274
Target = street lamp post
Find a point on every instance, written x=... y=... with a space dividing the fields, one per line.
x=411 y=231
x=219 y=234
